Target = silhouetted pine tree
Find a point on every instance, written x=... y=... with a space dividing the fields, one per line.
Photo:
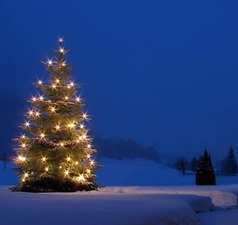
x=205 y=173
x=230 y=163
x=194 y=164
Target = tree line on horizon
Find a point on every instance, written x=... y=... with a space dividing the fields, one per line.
x=227 y=166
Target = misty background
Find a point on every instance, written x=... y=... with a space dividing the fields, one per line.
x=161 y=73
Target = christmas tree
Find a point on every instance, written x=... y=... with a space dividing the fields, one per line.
x=55 y=153
x=205 y=174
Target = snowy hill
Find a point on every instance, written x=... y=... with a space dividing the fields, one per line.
x=168 y=199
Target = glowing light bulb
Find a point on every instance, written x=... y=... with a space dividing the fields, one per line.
x=89 y=146
x=52 y=109
x=43 y=159
x=71 y=125
x=61 y=50
x=57 y=81
x=27 y=124
x=84 y=136
x=46 y=169
x=68 y=158
x=66 y=172
x=88 y=171
x=92 y=162
x=61 y=39
x=60 y=167
x=53 y=86
x=41 y=98
x=39 y=82
x=37 y=113
x=23 y=145
x=76 y=163
x=66 y=97
x=23 y=179
x=85 y=115
x=62 y=144
x=81 y=178
x=88 y=156
x=50 y=62
x=80 y=138
x=63 y=64
x=26 y=175
x=33 y=99
x=42 y=135
x=71 y=84
x=81 y=126
x=57 y=127
x=78 y=99
x=21 y=158
x=23 y=136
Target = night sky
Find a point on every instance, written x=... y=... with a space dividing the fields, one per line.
x=164 y=73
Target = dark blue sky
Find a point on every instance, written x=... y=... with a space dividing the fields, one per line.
x=164 y=73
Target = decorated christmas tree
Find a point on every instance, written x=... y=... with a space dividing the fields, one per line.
x=54 y=152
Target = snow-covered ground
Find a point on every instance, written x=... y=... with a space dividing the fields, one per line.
x=137 y=192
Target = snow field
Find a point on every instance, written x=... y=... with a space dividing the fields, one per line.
x=140 y=197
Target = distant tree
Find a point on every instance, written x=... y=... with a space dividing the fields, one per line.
x=205 y=174
x=182 y=165
x=230 y=164
x=194 y=164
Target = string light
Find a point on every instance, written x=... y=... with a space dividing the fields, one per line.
x=89 y=146
x=57 y=127
x=66 y=172
x=61 y=50
x=88 y=171
x=23 y=136
x=62 y=144
x=64 y=64
x=26 y=175
x=53 y=86
x=92 y=162
x=43 y=159
x=21 y=158
x=39 y=82
x=57 y=81
x=76 y=163
x=81 y=126
x=37 y=113
x=23 y=145
x=23 y=179
x=27 y=124
x=71 y=84
x=52 y=109
x=88 y=156
x=33 y=99
x=81 y=178
x=41 y=98
x=78 y=99
x=61 y=39
x=46 y=169
x=50 y=62
x=66 y=97
x=68 y=158
x=71 y=125
x=42 y=135
x=85 y=115
x=60 y=167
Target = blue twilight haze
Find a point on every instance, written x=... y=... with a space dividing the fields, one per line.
x=164 y=73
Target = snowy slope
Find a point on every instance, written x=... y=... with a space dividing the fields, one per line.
x=158 y=198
